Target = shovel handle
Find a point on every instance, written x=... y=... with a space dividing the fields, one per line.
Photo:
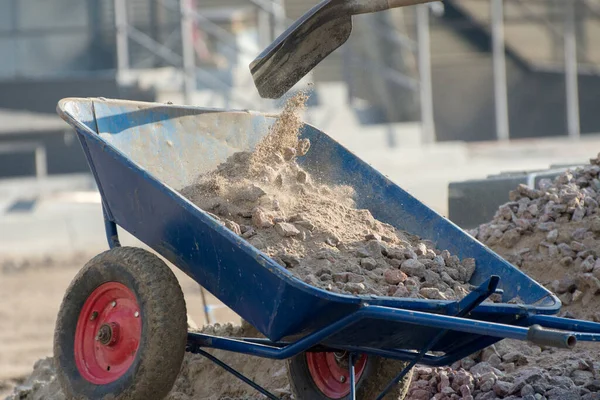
x=370 y=6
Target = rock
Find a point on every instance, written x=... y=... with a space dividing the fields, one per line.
x=420 y=394
x=413 y=267
x=447 y=390
x=495 y=361
x=487 y=381
x=302 y=177
x=340 y=277
x=251 y=194
x=552 y=236
x=561 y=381
x=577 y=294
x=375 y=248
x=501 y=388
x=578 y=215
x=527 y=390
x=355 y=288
x=394 y=276
x=465 y=391
x=286 y=229
x=401 y=291
x=562 y=394
x=355 y=278
x=432 y=293
x=582 y=378
x=249 y=233
x=510 y=238
x=567 y=284
x=302 y=147
x=565 y=250
x=373 y=236
x=566 y=261
x=332 y=240
x=260 y=219
x=508 y=367
x=588 y=264
x=486 y=396
x=311 y=280
x=483 y=368
x=566 y=298
x=305 y=224
x=546 y=226
x=595 y=225
x=515 y=357
x=234 y=227
x=467 y=363
x=591 y=396
x=469 y=264
x=289 y=260
x=397 y=254
x=289 y=153
x=594 y=385
x=368 y=263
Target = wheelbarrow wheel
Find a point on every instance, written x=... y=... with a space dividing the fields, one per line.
x=121 y=330
x=321 y=376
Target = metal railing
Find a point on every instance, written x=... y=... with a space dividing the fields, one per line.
x=563 y=23
x=385 y=80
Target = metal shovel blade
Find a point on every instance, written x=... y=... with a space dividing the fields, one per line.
x=300 y=48
x=309 y=40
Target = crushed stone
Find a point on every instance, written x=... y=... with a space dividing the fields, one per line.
x=552 y=233
x=314 y=229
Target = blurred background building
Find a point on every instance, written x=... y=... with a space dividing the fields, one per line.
x=461 y=83
x=458 y=70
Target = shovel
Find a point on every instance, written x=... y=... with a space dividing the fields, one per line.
x=310 y=39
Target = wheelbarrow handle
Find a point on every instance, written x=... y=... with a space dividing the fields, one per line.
x=370 y=6
x=550 y=337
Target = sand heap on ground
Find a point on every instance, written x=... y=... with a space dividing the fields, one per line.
x=315 y=230
x=199 y=378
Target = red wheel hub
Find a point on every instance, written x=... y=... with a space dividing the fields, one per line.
x=108 y=333
x=330 y=372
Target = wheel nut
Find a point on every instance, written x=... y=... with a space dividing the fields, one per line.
x=114 y=303
x=342 y=379
x=136 y=314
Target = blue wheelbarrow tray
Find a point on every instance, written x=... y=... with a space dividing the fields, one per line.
x=141 y=154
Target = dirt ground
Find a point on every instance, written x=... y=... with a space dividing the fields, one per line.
x=28 y=308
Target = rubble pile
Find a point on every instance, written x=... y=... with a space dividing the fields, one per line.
x=552 y=233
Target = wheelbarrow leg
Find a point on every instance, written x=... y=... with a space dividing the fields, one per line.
x=352 y=362
x=465 y=306
x=237 y=374
x=112 y=236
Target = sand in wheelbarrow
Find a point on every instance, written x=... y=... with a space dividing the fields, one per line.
x=314 y=229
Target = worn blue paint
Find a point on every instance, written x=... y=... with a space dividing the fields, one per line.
x=142 y=153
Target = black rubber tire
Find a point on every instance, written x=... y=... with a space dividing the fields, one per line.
x=378 y=373
x=164 y=326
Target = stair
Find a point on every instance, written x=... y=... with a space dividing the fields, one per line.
x=534 y=30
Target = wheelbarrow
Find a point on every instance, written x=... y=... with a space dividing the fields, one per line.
x=121 y=331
